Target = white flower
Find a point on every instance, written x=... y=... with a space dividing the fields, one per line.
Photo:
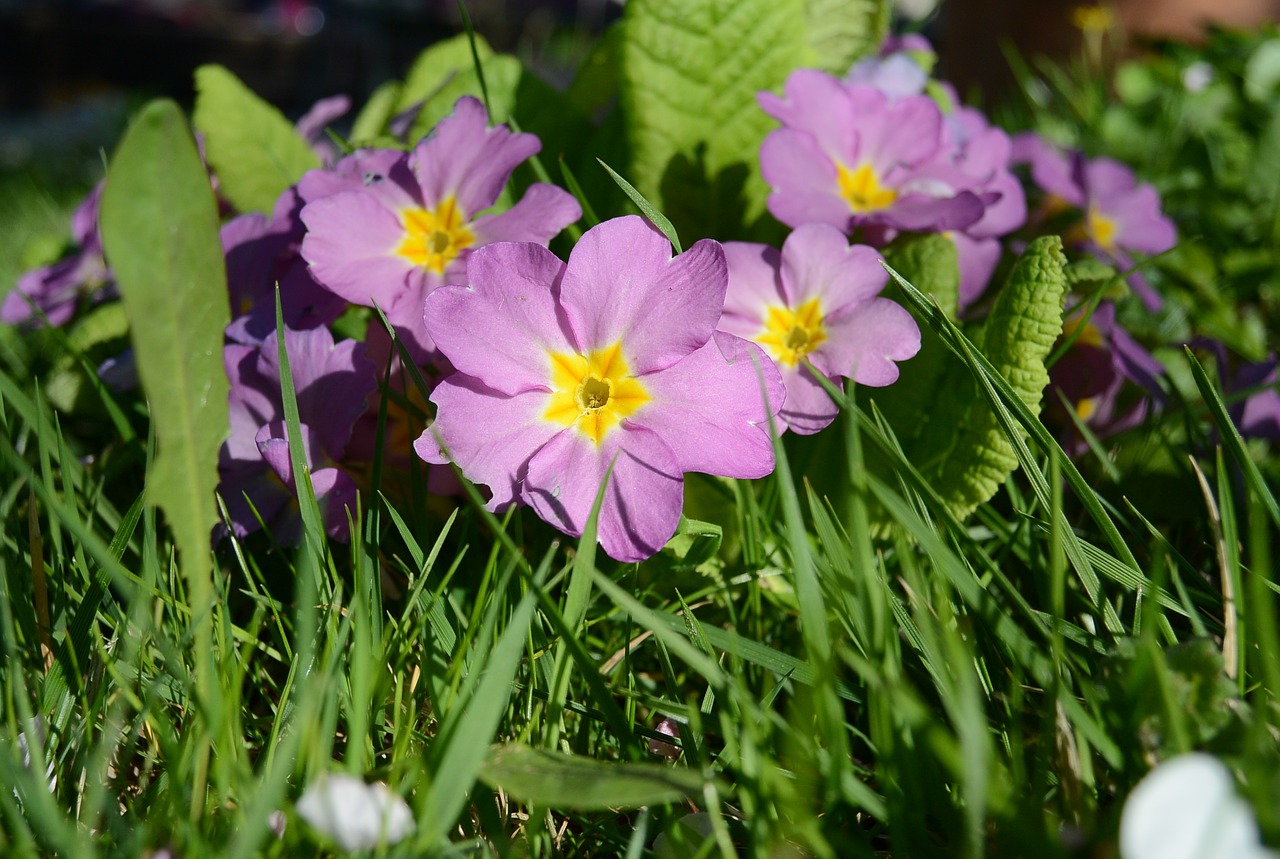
x=1197 y=76
x=358 y=816
x=1187 y=808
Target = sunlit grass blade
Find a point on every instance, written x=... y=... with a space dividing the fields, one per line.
x=659 y=220
x=1232 y=440
x=459 y=749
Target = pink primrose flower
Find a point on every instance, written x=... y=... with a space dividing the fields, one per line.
x=333 y=382
x=851 y=156
x=614 y=357
x=1119 y=214
x=394 y=239
x=261 y=254
x=817 y=300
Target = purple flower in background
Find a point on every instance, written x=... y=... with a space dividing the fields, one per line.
x=332 y=384
x=1258 y=415
x=850 y=156
x=613 y=358
x=984 y=153
x=1106 y=376
x=312 y=124
x=56 y=290
x=900 y=68
x=262 y=253
x=1251 y=390
x=392 y=241
x=1119 y=214
x=817 y=300
x=972 y=145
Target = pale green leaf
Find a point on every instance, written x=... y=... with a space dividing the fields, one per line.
x=160 y=233
x=437 y=66
x=690 y=73
x=371 y=123
x=555 y=780
x=842 y=31
x=254 y=150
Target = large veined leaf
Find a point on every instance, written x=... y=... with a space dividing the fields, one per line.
x=690 y=71
x=947 y=430
x=160 y=233
x=254 y=150
x=842 y=31
x=556 y=780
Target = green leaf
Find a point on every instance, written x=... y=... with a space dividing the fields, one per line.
x=437 y=67
x=251 y=146
x=1019 y=334
x=561 y=781
x=944 y=425
x=695 y=542
x=929 y=261
x=160 y=234
x=689 y=77
x=842 y=31
x=371 y=123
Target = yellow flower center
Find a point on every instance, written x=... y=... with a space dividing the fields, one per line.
x=433 y=238
x=790 y=335
x=1088 y=336
x=1093 y=19
x=594 y=391
x=862 y=190
x=1086 y=408
x=1100 y=228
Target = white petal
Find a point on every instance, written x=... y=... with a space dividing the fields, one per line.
x=1187 y=808
x=358 y=816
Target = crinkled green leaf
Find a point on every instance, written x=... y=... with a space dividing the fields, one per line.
x=842 y=31
x=254 y=150
x=555 y=780
x=689 y=77
x=945 y=427
x=160 y=233
x=1019 y=334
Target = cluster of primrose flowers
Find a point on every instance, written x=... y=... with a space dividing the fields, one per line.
x=623 y=364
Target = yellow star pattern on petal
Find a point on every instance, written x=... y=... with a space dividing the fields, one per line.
x=434 y=237
x=595 y=391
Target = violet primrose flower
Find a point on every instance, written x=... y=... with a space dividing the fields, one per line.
x=262 y=253
x=392 y=241
x=1106 y=376
x=1259 y=415
x=1251 y=390
x=332 y=383
x=850 y=156
x=1119 y=213
x=56 y=289
x=817 y=300
x=613 y=358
